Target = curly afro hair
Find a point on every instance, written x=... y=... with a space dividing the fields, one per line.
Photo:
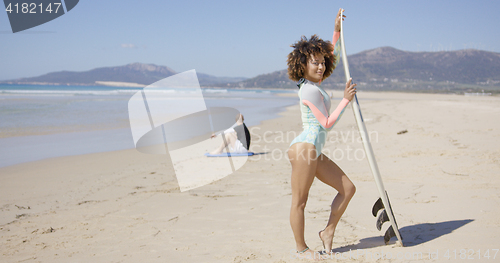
x=302 y=51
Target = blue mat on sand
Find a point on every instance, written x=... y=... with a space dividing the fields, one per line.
x=229 y=154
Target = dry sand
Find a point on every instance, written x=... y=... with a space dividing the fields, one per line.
x=125 y=206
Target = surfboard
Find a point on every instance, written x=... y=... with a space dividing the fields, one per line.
x=225 y=154
x=383 y=202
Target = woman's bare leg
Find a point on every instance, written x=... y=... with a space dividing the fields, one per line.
x=230 y=139
x=329 y=173
x=302 y=156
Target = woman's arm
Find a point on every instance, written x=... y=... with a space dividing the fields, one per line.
x=230 y=130
x=312 y=98
x=335 y=38
x=327 y=121
x=336 y=48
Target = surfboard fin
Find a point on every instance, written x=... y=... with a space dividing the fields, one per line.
x=382 y=218
x=389 y=234
x=377 y=206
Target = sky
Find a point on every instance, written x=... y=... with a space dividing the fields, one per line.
x=236 y=38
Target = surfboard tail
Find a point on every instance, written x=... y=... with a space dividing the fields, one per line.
x=384 y=217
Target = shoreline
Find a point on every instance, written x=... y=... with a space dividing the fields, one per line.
x=335 y=95
x=441 y=177
x=109 y=84
x=22 y=140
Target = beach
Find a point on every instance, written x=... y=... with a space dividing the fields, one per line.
x=441 y=176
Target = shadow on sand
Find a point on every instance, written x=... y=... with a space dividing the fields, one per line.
x=255 y=153
x=412 y=235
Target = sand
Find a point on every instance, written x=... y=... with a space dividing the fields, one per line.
x=125 y=206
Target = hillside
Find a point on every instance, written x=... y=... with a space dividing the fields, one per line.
x=384 y=68
x=139 y=73
x=387 y=68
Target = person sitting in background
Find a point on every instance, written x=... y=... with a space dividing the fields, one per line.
x=237 y=138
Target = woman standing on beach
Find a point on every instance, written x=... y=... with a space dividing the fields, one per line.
x=309 y=63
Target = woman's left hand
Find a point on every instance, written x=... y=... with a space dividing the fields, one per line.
x=350 y=90
x=337 y=20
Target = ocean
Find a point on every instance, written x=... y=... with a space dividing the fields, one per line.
x=46 y=121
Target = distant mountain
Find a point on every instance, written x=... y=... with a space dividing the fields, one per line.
x=136 y=74
x=212 y=81
x=387 y=68
x=384 y=68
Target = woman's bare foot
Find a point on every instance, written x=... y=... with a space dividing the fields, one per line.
x=327 y=239
x=309 y=254
x=216 y=152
